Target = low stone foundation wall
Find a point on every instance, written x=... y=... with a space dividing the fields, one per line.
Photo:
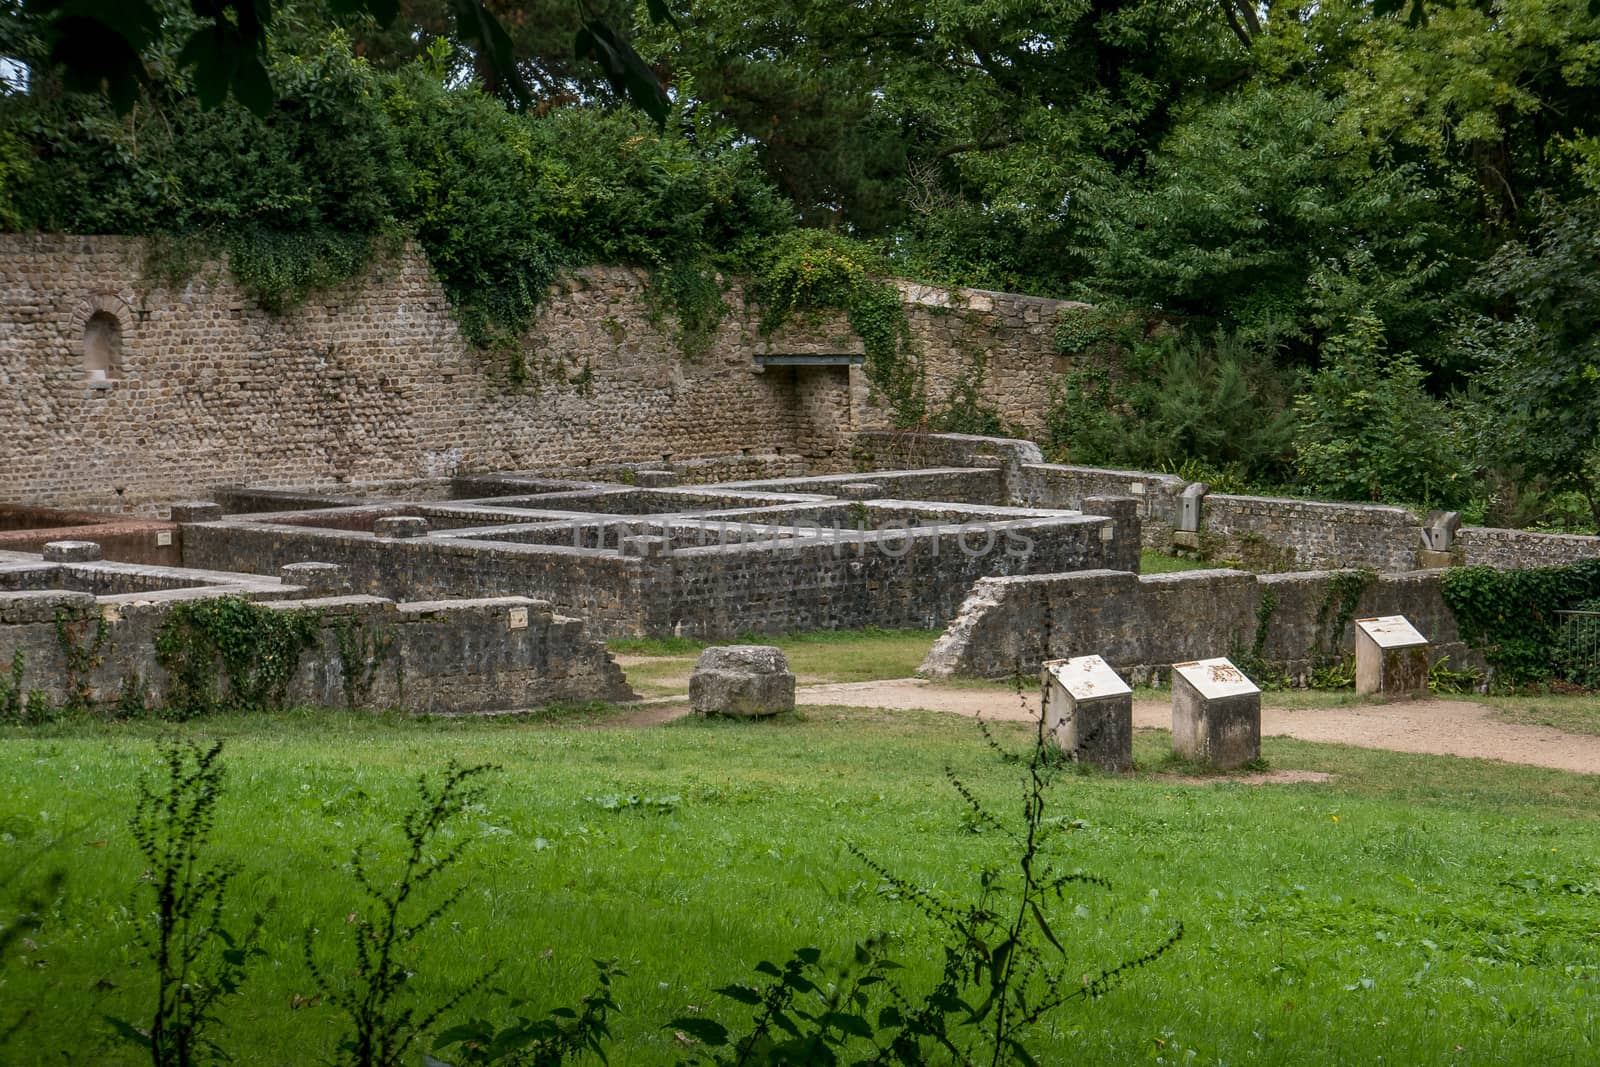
x=483 y=654
x=1283 y=534
x=1259 y=532
x=1511 y=549
x=123 y=538
x=1142 y=624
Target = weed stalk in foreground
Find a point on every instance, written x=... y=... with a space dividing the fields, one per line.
x=1005 y=968
x=197 y=961
x=383 y=1026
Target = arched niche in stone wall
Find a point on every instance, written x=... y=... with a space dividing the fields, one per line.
x=101 y=331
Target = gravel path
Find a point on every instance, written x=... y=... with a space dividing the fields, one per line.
x=1435 y=727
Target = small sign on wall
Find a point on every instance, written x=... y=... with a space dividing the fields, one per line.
x=517 y=619
x=164 y=539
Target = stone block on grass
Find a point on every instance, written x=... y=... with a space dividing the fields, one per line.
x=743 y=681
x=1216 y=714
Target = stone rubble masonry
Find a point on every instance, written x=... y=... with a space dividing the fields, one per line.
x=373 y=380
x=1142 y=624
x=126 y=538
x=1510 y=549
x=482 y=654
x=1264 y=533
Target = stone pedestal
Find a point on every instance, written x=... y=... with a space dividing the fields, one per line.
x=1089 y=711
x=1216 y=714
x=745 y=681
x=1391 y=657
x=72 y=551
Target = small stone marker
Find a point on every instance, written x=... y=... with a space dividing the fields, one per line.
x=401 y=526
x=746 y=681
x=1391 y=657
x=1089 y=711
x=1216 y=714
x=72 y=551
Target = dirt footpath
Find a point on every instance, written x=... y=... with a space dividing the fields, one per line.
x=1433 y=727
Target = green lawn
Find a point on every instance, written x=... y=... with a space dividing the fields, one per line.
x=814 y=657
x=1573 y=714
x=1153 y=562
x=1413 y=910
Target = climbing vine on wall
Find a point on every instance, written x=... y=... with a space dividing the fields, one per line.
x=1511 y=615
x=256 y=649
x=814 y=270
x=1338 y=607
x=82 y=654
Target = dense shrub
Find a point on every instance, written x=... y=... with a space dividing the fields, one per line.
x=1174 y=399
x=1367 y=428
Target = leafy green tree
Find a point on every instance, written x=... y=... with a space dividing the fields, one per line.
x=1251 y=218
x=1217 y=404
x=1368 y=430
x=1541 y=359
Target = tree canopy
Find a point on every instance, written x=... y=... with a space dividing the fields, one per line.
x=1326 y=212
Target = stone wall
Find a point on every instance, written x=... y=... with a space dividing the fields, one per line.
x=1281 y=534
x=373 y=381
x=1012 y=335
x=128 y=539
x=771 y=579
x=1508 y=549
x=1262 y=533
x=454 y=656
x=1142 y=624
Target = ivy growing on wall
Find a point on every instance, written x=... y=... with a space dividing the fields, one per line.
x=1511 y=615
x=256 y=649
x=814 y=270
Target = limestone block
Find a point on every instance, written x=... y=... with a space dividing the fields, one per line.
x=401 y=526
x=747 y=681
x=1439 y=530
x=1088 y=709
x=71 y=552
x=1216 y=714
x=1189 y=505
x=1391 y=657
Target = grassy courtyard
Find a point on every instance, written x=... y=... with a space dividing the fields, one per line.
x=1412 y=910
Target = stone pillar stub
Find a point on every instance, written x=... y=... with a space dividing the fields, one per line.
x=1194 y=495
x=196 y=511
x=1088 y=709
x=401 y=526
x=1126 y=533
x=1439 y=530
x=1391 y=657
x=1216 y=714
x=743 y=681
x=72 y=551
